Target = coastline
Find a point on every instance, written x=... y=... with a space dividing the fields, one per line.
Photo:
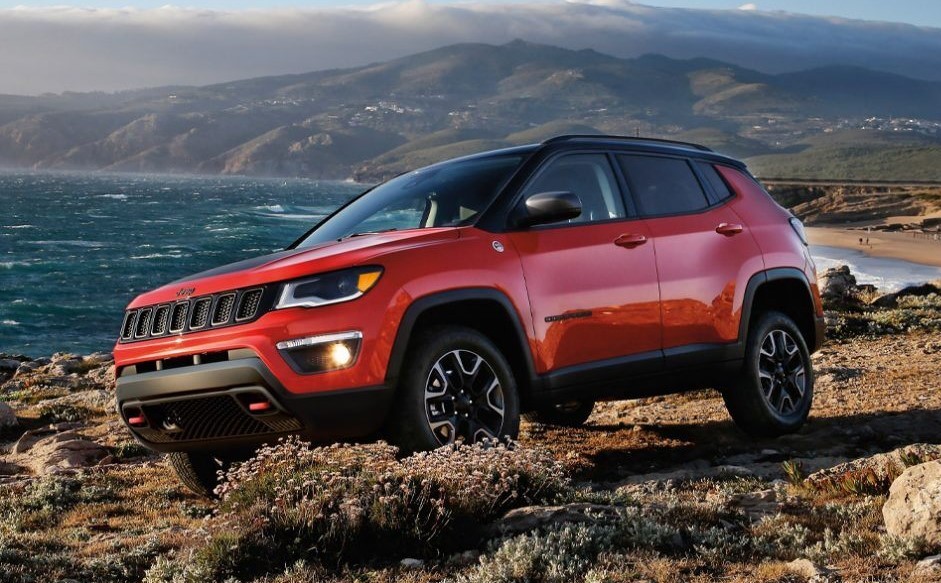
x=881 y=244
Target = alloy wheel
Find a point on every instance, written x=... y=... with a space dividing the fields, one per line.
x=782 y=372
x=463 y=398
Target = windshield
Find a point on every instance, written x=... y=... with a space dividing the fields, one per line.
x=445 y=195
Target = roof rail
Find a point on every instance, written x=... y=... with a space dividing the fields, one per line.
x=567 y=137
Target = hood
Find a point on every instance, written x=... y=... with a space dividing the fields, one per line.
x=296 y=263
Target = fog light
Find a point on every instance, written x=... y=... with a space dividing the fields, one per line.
x=341 y=355
x=322 y=353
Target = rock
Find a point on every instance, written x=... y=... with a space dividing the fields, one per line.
x=31 y=437
x=7 y=417
x=8 y=469
x=837 y=283
x=9 y=364
x=65 y=451
x=928 y=566
x=412 y=563
x=881 y=467
x=26 y=367
x=758 y=504
x=892 y=300
x=806 y=569
x=530 y=518
x=913 y=509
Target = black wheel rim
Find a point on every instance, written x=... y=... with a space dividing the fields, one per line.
x=782 y=372
x=463 y=398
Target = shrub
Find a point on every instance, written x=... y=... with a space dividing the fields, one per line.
x=346 y=503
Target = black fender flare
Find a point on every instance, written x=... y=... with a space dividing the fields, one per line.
x=422 y=304
x=768 y=276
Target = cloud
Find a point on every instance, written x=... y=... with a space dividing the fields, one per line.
x=63 y=48
x=749 y=6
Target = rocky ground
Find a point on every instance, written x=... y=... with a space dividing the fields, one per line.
x=662 y=489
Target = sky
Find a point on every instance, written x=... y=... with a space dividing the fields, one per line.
x=106 y=45
x=917 y=12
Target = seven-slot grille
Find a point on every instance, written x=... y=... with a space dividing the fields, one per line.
x=194 y=314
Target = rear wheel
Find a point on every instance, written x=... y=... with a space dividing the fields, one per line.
x=458 y=387
x=774 y=394
x=568 y=414
x=198 y=472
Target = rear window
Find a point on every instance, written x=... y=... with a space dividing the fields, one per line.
x=662 y=186
x=719 y=187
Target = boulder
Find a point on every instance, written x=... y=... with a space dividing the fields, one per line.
x=7 y=416
x=876 y=469
x=892 y=300
x=837 y=283
x=64 y=451
x=913 y=509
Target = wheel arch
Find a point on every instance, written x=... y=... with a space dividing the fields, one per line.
x=487 y=310
x=784 y=289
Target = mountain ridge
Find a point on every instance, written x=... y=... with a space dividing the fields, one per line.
x=372 y=121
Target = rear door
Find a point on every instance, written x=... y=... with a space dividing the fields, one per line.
x=592 y=281
x=705 y=254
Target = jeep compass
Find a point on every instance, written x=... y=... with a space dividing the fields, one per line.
x=447 y=302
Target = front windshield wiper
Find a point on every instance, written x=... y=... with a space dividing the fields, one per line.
x=364 y=233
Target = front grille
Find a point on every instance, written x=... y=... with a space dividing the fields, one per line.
x=178 y=321
x=161 y=318
x=223 y=310
x=248 y=304
x=216 y=416
x=143 y=323
x=199 y=313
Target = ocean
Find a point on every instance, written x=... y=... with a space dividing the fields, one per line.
x=75 y=248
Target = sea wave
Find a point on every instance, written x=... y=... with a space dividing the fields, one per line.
x=118 y=196
x=72 y=243
x=9 y=322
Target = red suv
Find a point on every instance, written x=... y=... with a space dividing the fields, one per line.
x=448 y=301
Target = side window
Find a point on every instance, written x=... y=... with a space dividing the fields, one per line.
x=590 y=178
x=662 y=186
x=715 y=181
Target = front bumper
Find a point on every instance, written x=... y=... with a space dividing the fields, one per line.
x=204 y=407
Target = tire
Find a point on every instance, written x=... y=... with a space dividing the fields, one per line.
x=198 y=472
x=570 y=414
x=775 y=391
x=457 y=386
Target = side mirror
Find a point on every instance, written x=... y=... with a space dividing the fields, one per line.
x=546 y=208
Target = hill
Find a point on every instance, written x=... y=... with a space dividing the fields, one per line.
x=373 y=121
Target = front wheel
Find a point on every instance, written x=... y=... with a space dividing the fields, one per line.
x=197 y=471
x=458 y=387
x=776 y=388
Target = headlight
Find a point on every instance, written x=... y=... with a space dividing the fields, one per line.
x=328 y=288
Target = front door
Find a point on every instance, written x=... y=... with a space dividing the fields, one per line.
x=592 y=281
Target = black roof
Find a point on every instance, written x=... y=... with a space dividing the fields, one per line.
x=653 y=145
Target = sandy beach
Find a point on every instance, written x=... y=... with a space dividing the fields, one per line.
x=891 y=245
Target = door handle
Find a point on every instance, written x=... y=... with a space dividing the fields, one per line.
x=630 y=241
x=729 y=229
